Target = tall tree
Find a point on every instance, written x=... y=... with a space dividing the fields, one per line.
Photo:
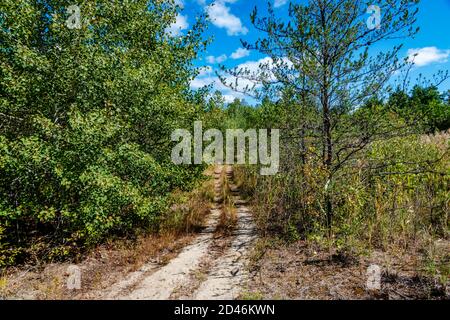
x=324 y=52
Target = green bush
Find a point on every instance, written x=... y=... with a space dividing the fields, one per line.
x=86 y=119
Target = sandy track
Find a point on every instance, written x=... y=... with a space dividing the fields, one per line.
x=160 y=284
x=228 y=271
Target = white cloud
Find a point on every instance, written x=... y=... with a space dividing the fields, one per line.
x=219 y=59
x=230 y=96
x=279 y=3
x=179 y=3
x=180 y=24
x=205 y=71
x=252 y=67
x=201 y=82
x=240 y=53
x=208 y=77
x=262 y=68
x=221 y=17
x=425 y=56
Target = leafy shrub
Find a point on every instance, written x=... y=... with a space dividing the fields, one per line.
x=86 y=118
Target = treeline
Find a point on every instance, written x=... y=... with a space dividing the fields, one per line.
x=86 y=115
x=425 y=107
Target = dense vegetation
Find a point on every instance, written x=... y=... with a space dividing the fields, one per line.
x=86 y=116
x=394 y=186
x=86 y=119
x=364 y=160
x=392 y=195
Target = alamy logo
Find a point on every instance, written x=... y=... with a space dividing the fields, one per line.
x=373 y=277
x=259 y=142
x=374 y=21
x=74 y=278
x=74 y=20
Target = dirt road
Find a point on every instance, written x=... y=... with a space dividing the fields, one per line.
x=179 y=279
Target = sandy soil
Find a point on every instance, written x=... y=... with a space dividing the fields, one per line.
x=301 y=271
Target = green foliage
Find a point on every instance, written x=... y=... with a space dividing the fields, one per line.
x=239 y=115
x=356 y=171
x=424 y=106
x=86 y=116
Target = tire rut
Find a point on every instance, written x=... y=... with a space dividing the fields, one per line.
x=227 y=268
x=229 y=273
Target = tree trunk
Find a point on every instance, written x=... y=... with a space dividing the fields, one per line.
x=327 y=159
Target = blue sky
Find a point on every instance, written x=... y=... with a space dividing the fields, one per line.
x=230 y=22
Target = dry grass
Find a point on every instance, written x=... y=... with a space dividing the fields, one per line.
x=101 y=268
x=440 y=139
x=373 y=209
x=303 y=271
x=189 y=209
x=228 y=218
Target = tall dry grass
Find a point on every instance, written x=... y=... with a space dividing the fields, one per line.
x=395 y=194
